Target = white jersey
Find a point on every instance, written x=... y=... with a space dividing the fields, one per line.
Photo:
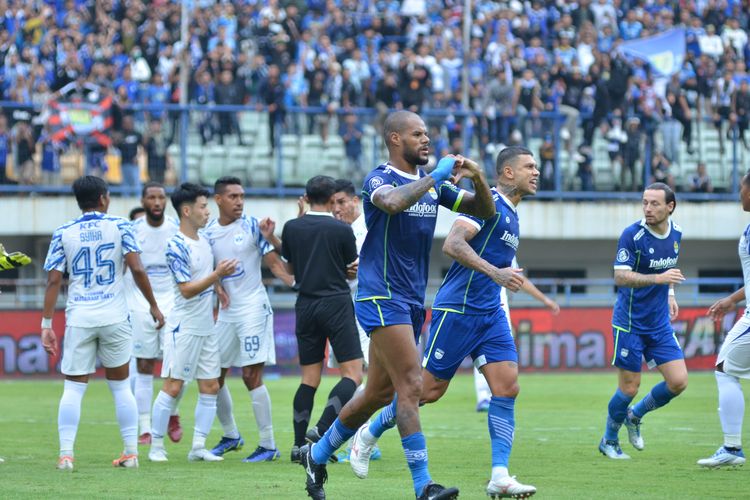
x=360 y=233
x=92 y=249
x=191 y=260
x=153 y=243
x=744 y=251
x=240 y=240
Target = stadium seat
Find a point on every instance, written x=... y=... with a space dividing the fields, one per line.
x=213 y=164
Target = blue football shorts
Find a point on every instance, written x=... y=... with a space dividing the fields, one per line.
x=487 y=338
x=656 y=348
x=377 y=313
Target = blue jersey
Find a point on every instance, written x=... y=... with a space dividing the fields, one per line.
x=645 y=310
x=395 y=256
x=467 y=291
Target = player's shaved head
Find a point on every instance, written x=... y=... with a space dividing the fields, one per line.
x=397 y=123
x=508 y=156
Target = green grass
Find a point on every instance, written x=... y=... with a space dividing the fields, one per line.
x=559 y=421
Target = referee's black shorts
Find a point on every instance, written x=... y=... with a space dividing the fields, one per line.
x=324 y=318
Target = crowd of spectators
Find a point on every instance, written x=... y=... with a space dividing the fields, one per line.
x=527 y=61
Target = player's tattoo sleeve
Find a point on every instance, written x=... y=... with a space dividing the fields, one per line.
x=396 y=200
x=457 y=247
x=633 y=279
x=480 y=204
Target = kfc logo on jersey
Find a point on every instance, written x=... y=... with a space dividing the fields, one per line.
x=623 y=255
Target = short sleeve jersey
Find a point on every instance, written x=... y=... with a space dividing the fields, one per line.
x=467 y=291
x=645 y=310
x=395 y=256
x=191 y=260
x=240 y=240
x=153 y=242
x=92 y=249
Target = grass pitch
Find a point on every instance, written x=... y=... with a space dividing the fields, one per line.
x=559 y=421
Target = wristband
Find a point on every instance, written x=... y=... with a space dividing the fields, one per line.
x=443 y=170
x=46 y=322
x=671 y=292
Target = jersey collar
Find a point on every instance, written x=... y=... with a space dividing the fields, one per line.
x=413 y=177
x=657 y=235
x=324 y=214
x=506 y=200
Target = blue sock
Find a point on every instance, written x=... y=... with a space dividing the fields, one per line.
x=502 y=424
x=385 y=420
x=335 y=436
x=658 y=397
x=415 y=449
x=618 y=410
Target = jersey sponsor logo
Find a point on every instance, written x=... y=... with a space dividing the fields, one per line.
x=375 y=183
x=93 y=224
x=623 y=255
x=663 y=263
x=422 y=210
x=511 y=239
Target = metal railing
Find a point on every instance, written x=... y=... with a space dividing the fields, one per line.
x=472 y=128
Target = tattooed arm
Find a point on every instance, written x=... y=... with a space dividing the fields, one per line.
x=480 y=203
x=633 y=279
x=457 y=247
x=394 y=200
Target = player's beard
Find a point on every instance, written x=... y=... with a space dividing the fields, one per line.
x=413 y=158
x=153 y=217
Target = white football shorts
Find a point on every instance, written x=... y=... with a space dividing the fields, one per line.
x=735 y=351
x=247 y=342
x=188 y=356
x=147 y=340
x=112 y=344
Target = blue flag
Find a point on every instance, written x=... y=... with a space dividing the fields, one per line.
x=665 y=52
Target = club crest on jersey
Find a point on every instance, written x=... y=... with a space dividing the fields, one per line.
x=676 y=247
x=239 y=238
x=623 y=255
x=375 y=183
x=433 y=193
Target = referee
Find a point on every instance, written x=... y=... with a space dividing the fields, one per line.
x=319 y=251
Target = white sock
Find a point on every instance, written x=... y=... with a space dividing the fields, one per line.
x=205 y=411
x=481 y=386
x=499 y=472
x=69 y=414
x=176 y=408
x=144 y=393
x=731 y=408
x=163 y=406
x=132 y=371
x=126 y=410
x=262 y=411
x=224 y=411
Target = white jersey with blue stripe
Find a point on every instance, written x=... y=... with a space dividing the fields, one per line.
x=395 y=256
x=240 y=240
x=191 y=260
x=645 y=310
x=92 y=249
x=744 y=251
x=466 y=291
x=153 y=243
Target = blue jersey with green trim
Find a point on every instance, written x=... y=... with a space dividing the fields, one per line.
x=395 y=256
x=467 y=291
x=645 y=310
